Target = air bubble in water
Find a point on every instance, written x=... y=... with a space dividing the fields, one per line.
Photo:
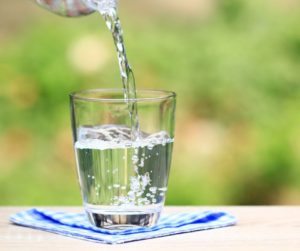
x=142 y=162
x=145 y=180
x=135 y=159
x=153 y=189
x=163 y=189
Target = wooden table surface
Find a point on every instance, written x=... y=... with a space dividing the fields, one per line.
x=259 y=228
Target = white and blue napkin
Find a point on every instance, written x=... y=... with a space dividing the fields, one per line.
x=76 y=225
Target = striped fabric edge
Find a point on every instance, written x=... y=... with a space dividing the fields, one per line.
x=44 y=222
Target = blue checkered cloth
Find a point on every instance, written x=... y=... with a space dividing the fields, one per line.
x=76 y=225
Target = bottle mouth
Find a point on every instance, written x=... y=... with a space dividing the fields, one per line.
x=117 y=95
x=103 y=6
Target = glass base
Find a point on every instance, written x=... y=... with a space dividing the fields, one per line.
x=122 y=219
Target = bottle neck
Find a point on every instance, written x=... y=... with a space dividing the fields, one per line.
x=67 y=8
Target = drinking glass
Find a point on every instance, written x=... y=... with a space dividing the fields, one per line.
x=123 y=181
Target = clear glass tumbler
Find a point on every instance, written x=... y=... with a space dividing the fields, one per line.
x=123 y=181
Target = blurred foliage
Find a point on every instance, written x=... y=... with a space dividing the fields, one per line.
x=236 y=72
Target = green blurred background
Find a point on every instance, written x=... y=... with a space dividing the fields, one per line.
x=235 y=65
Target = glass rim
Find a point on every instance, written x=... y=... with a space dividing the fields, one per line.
x=161 y=95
